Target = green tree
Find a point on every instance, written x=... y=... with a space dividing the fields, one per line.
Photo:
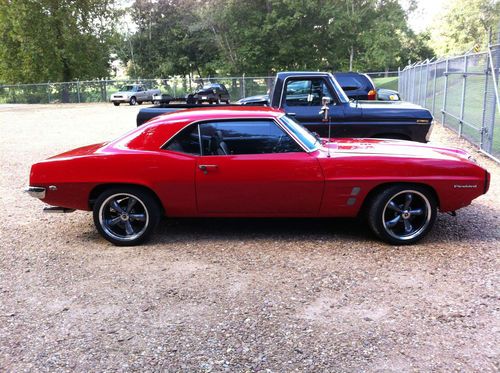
x=464 y=25
x=169 y=40
x=55 y=40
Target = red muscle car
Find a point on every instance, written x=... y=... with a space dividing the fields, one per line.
x=255 y=162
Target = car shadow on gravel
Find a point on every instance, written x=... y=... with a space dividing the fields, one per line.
x=180 y=230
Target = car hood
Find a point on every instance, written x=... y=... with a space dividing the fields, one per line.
x=392 y=148
x=392 y=110
x=254 y=99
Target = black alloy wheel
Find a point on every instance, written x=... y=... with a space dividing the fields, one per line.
x=126 y=216
x=402 y=214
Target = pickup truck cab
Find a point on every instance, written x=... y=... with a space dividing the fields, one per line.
x=133 y=94
x=303 y=95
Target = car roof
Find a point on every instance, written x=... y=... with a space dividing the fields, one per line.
x=220 y=112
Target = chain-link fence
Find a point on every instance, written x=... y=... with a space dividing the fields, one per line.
x=462 y=93
x=101 y=90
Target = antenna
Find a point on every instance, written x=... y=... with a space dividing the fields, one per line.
x=325 y=110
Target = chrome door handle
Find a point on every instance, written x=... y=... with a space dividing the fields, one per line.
x=206 y=167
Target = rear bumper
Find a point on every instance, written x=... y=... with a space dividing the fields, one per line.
x=36 y=192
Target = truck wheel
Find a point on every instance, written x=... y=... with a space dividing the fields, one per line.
x=139 y=102
x=132 y=101
x=402 y=214
x=126 y=216
x=218 y=101
x=116 y=103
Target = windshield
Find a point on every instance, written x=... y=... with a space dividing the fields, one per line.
x=305 y=137
x=127 y=88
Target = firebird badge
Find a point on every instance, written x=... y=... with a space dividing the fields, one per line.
x=465 y=186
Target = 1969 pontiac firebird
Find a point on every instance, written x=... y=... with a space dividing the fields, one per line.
x=255 y=162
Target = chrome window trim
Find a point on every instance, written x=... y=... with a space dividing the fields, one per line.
x=276 y=121
x=303 y=146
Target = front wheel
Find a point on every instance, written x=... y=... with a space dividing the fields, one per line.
x=402 y=214
x=116 y=103
x=133 y=101
x=126 y=216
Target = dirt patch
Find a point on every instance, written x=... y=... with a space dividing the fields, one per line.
x=229 y=294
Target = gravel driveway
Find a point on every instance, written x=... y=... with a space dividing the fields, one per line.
x=234 y=295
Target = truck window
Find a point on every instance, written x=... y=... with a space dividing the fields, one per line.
x=245 y=137
x=306 y=92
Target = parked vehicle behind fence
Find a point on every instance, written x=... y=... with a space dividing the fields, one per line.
x=133 y=94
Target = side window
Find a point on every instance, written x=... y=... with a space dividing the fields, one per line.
x=245 y=137
x=187 y=141
x=306 y=92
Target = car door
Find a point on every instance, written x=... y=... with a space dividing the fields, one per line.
x=254 y=168
x=141 y=94
x=302 y=98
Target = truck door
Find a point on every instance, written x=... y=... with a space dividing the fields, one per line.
x=302 y=98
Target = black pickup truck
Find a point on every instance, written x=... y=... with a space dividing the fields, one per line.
x=302 y=94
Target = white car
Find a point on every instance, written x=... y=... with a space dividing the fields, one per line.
x=133 y=94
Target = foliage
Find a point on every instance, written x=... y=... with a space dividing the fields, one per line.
x=465 y=25
x=55 y=40
x=261 y=37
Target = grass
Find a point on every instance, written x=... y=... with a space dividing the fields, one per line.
x=388 y=83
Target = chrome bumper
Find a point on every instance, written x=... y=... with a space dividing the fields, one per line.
x=37 y=192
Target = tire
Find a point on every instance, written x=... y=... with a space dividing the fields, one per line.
x=218 y=101
x=402 y=214
x=116 y=103
x=139 y=102
x=133 y=101
x=156 y=102
x=113 y=218
x=228 y=102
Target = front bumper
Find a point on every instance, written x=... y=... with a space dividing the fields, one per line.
x=36 y=192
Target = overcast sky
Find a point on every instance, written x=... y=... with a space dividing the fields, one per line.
x=426 y=12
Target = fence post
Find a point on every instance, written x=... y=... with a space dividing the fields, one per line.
x=48 y=92
x=426 y=84
x=462 y=103
x=484 y=129
x=434 y=89
x=78 y=90
x=445 y=93
x=420 y=85
x=243 y=88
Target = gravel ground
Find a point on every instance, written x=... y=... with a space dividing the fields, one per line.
x=234 y=295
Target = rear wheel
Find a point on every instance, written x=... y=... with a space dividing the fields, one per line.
x=116 y=103
x=126 y=216
x=402 y=214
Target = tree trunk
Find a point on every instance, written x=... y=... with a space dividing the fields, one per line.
x=351 y=57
